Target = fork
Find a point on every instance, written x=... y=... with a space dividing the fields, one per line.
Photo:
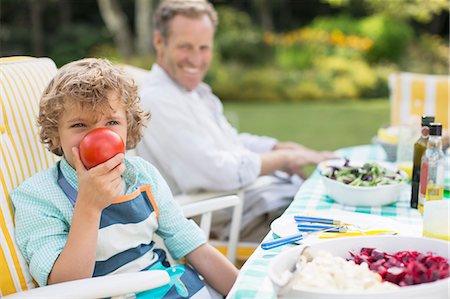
x=304 y=219
x=293 y=238
x=299 y=218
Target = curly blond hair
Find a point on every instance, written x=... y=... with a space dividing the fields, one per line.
x=88 y=82
x=168 y=9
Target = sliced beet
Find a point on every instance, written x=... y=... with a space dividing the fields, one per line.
x=404 y=267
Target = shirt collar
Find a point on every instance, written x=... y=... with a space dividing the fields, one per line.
x=129 y=175
x=160 y=73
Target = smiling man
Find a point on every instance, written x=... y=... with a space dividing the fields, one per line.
x=189 y=138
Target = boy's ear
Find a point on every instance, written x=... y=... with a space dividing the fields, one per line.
x=56 y=143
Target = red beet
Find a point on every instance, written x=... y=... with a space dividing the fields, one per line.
x=404 y=267
x=395 y=274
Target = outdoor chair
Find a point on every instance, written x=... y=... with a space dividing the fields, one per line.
x=23 y=80
x=413 y=95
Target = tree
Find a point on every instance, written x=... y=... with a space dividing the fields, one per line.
x=37 y=35
x=264 y=10
x=116 y=22
x=143 y=25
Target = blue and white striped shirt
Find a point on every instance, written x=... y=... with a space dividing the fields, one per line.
x=43 y=215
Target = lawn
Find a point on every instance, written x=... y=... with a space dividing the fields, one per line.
x=317 y=125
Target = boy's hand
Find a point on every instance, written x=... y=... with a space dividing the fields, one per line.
x=99 y=186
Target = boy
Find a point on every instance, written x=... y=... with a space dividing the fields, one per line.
x=74 y=223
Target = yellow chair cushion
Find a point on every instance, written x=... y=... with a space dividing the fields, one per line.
x=413 y=95
x=23 y=80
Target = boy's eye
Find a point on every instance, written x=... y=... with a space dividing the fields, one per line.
x=112 y=123
x=79 y=125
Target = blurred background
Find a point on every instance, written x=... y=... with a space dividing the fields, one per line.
x=311 y=71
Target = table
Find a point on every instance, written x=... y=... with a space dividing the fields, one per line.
x=253 y=280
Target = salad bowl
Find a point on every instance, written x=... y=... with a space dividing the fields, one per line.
x=360 y=183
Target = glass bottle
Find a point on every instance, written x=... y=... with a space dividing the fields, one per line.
x=419 y=148
x=447 y=174
x=432 y=168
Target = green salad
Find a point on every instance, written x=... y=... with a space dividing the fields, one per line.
x=368 y=175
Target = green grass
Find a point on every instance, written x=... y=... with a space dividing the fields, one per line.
x=323 y=126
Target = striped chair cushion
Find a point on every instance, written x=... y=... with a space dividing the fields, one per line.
x=413 y=95
x=21 y=154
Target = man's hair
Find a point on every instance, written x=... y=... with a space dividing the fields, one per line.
x=89 y=83
x=168 y=9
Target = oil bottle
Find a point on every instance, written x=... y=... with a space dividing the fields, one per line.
x=432 y=168
x=419 y=148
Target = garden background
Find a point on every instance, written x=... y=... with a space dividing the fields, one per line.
x=311 y=71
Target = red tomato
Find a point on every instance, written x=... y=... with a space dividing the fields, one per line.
x=100 y=145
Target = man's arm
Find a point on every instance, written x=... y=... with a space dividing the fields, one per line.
x=291 y=159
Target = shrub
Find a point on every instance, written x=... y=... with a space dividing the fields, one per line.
x=330 y=78
x=343 y=23
x=233 y=82
x=238 y=40
x=426 y=54
x=298 y=49
x=390 y=36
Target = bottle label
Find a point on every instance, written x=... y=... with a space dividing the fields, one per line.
x=423 y=179
x=423 y=186
x=425 y=132
x=434 y=192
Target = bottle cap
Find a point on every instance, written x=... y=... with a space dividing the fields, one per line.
x=427 y=120
x=436 y=129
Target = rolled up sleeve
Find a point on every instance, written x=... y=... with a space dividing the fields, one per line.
x=41 y=232
x=258 y=144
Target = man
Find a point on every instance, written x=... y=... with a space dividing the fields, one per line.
x=189 y=138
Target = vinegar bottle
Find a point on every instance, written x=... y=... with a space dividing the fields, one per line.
x=432 y=168
x=419 y=149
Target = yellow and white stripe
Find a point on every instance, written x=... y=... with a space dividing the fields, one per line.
x=22 y=81
x=413 y=95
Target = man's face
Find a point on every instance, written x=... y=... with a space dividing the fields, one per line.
x=75 y=122
x=187 y=52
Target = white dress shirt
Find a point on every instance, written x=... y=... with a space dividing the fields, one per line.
x=193 y=145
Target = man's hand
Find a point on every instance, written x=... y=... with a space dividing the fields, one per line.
x=288 y=145
x=299 y=158
x=100 y=185
x=291 y=157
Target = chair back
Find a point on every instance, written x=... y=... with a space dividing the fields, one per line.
x=22 y=81
x=414 y=95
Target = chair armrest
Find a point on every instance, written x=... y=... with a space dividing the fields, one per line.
x=209 y=205
x=99 y=287
x=189 y=198
x=205 y=208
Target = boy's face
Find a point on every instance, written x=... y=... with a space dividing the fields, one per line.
x=75 y=122
x=187 y=52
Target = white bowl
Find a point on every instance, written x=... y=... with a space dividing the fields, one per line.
x=358 y=195
x=285 y=261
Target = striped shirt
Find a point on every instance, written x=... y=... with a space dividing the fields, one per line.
x=43 y=214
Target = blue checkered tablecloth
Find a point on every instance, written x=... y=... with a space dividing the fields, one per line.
x=253 y=280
